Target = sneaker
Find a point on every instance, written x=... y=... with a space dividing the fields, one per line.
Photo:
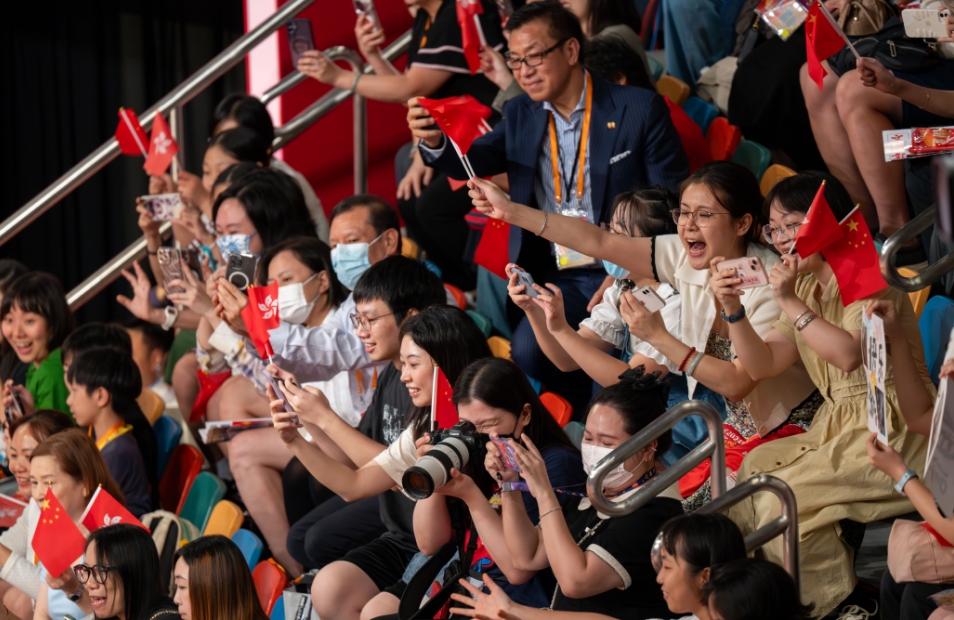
x=854 y=612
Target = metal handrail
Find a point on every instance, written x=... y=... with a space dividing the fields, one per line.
x=786 y=524
x=183 y=93
x=714 y=449
x=895 y=242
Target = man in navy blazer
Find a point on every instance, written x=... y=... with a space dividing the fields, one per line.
x=631 y=143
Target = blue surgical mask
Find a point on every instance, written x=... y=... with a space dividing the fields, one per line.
x=615 y=270
x=350 y=261
x=234 y=244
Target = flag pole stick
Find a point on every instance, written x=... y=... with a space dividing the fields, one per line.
x=848 y=217
x=463 y=159
x=838 y=29
x=122 y=113
x=480 y=31
x=434 y=399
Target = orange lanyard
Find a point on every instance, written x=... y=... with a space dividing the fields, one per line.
x=581 y=148
x=374 y=380
x=117 y=430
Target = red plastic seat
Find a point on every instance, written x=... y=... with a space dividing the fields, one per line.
x=270 y=580
x=690 y=135
x=185 y=463
x=723 y=138
x=458 y=295
x=559 y=407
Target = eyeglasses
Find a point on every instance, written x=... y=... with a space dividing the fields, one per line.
x=364 y=322
x=786 y=231
x=98 y=572
x=701 y=218
x=611 y=230
x=533 y=60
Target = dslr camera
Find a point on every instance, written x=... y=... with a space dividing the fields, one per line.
x=453 y=448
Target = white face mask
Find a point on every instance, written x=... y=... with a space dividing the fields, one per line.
x=594 y=454
x=292 y=305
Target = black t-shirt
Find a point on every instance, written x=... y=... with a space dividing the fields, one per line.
x=624 y=543
x=125 y=464
x=438 y=45
x=383 y=422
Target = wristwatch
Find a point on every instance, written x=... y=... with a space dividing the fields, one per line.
x=507 y=487
x=734 y=317
x=77 y=594
x=904 y=480
x=171 y=314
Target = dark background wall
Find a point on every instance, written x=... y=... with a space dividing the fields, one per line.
x=65 y=69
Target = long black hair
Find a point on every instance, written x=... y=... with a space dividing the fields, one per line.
x=247 y=111
x=647 y=211
x=500 y=384
x=639 y=399
x=243 y=144
x=452 y=339
x=313 y=253
x=749 y=589
x=131 y=551
x=735 y=188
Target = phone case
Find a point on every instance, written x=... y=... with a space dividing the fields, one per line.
x=749 y=268
x=526 y=279
x=163 y=207
x=507 y=455
x=170 y=262
x=300 y=38
x=650 y=299
x=366 y=8
x=241 y=270
x=924 y=23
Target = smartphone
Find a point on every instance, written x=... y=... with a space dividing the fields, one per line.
x=749 y=268
x=163 y=207
x=170 y=262
x=300 y=38
x=366 y=8
x=526 y=279
x=925 y=23
x=276 y=385
x=650 y=299
x=241 y=270
x=507 y=455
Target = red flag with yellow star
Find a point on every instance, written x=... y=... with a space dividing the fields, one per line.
x=854 y=260
x=492 y=252
x=57 y=541
x=443 y=410
x=823 y=39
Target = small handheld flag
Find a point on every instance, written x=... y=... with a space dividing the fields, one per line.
x=130 y=134
x=443 y=412
x=261 y=315
x=819 y=229
x=104 y=510
x=57 y=541
x=162 y=148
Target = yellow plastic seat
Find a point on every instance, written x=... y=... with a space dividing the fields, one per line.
x=918 y=298
x=674 y=88
x=151 y=405
x=500 y=347
x=226 y=519
x=774 y=174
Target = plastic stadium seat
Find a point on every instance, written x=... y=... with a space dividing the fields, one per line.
x=500 y=347
x=701 y=111
x=753 y=156
x=269 y=581
x=674 y=88
x=184 y=465
x=458 y=295
x=226 y=519
x=151 y=405
x=574 y=430
x=250 y=545
x=918 y=298
x=409 y=248
x=168 y=433
x=935 y=324
x=278 y=611
x=205 y=493
x=774 y=174
x=559 y=407
x=690 y=136
x=656 y=67
x=482 y=322
x=434 y=268
x=723 y=138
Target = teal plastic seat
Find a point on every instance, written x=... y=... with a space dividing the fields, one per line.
x=168 y=433
x=278 y=611
x=250 y=545
x=483 y=323
x=753 y=156
x=656 y=67
x=701 y=111
x=574 y=430
x=205 y=493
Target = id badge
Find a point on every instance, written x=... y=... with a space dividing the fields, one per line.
x=568 y=258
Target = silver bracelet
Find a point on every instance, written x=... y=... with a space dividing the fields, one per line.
x=695 y=362
x=808 y=319
x=540 y=520
x=544 y=227
x=801 y=315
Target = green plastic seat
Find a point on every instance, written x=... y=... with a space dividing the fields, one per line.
x=656 y=67
x=207 y=490
x=574 y=430
x=483 y=323
x=753 y=156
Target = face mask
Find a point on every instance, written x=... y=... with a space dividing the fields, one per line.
x=350 y=261
x=292 y=305
x=234 y=244
x=594 y=454
x=615 y=270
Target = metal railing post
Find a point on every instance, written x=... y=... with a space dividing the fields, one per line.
x=786 y=524
x=177 y=129
x=714 y=448
x=895 y=242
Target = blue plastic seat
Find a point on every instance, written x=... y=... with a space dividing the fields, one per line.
x=278 y=611
x=701 y=111
x=168 y=433
x=935 y=324
x=753 y=156
x=250 y=545
x=206 y=491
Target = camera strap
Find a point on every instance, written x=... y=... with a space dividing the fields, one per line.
x=649 y=475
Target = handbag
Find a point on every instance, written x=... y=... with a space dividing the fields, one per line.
x=891 y=47
x=914 y=554
x=863 y=17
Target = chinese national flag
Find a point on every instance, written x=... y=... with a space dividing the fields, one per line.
x=854 y=260
x=823 y=38
x=130 y=134
x=493 y=250
x=442 y=404
x=162 y=148
x=470 y=34
x=261 y=315
x=103 y=510
x=463 y=118
x=57 y=541
x=819 y=229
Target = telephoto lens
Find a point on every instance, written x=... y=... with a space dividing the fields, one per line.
x=453 y=448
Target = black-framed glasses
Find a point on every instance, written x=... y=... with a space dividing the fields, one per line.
x=786 y=231
x=99 y=573
x=364 y=322
x=532 y=60
x=701 y=218
x=606 y=226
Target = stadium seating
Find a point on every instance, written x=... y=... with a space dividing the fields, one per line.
x=225 y=520
x=168 y=434
x=204 y=494
x=185 y=463
x=250 y=545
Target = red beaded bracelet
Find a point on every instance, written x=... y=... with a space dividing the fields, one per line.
x=688 y=355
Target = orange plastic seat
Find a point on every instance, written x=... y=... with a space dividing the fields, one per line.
x=409 y=248
x=270 y=580
x=723 y=138
x=185 y=463
x=674 y=88
x=918 y=298
x=226 y=519
x=500 y=347
x=151 y=405
x=774 y=174
x=559 y=407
